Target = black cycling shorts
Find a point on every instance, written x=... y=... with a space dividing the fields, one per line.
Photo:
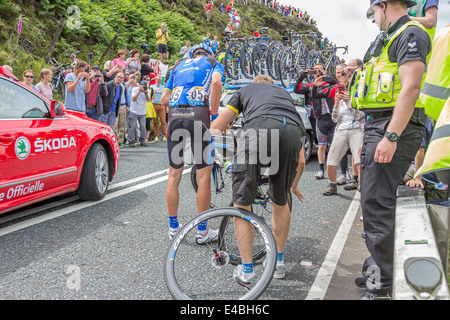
x=279 y=155
x=189 y=123
x=325 y=129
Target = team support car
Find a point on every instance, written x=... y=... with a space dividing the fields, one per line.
x=309 y=143
x=46 y=150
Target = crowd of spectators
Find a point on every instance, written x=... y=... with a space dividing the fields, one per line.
x=285 y=10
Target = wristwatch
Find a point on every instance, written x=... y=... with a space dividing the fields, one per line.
x=392 y=136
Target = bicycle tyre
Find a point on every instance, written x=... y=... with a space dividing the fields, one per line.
x=259 y=208
x=221 y=186
x=286 y=66
x=247 y=67
x=259 y=57
x=232 y=60
x=184 y=259
x=275 y=49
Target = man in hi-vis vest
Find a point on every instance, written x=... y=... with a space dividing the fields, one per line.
x=435 y=98
x=386 y=90
x=425 y=12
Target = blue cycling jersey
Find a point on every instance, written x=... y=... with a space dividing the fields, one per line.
x=190 y=81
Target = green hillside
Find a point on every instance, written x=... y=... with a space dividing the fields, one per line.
x=100 y=20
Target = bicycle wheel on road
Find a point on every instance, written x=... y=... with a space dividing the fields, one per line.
x=195 y=272
x=263 y=209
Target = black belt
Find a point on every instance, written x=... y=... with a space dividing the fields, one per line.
x=285 y=120
x=378 y=115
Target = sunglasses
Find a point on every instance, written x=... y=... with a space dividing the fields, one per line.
x=29 y=77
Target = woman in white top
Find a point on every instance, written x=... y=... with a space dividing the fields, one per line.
x=45 y=87
x=348 y=132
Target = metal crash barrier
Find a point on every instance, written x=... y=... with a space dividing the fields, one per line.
x=420 y=248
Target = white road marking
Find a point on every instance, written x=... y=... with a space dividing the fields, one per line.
x=61 y=202
x=323 y=278
x=80 y=206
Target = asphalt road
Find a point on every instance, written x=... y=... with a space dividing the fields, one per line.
x=114 y=249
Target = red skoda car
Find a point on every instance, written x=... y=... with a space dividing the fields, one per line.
x=46 y=150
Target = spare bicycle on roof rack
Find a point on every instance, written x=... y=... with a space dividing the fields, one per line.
x=283 y=60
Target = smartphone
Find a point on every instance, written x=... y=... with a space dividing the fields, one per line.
x=311 y=72
x=342 y=88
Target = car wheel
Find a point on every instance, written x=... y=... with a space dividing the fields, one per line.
x=95 y=175
x=308 y=145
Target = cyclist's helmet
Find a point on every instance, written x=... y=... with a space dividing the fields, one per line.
x=201 y=48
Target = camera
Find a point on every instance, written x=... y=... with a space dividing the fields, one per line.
x=97 y=75
x=87 y=69
x=145 y=88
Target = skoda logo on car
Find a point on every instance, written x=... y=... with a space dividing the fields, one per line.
x=22 y=148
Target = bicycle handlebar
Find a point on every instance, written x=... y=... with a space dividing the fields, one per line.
x=74 y=54
x=345 y=49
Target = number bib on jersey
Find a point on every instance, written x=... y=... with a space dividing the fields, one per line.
x=196 y=96
x=175 y=96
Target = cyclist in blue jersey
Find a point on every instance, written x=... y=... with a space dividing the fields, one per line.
x=194 y=86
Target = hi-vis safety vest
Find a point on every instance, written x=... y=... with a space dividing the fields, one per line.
x=437 y=156
x=436 y=88
x=377 y=85
x=418 y=11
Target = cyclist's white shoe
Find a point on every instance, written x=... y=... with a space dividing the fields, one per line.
x=173 y=232
x=210 y=236
x=247 y=281
x=280 y=272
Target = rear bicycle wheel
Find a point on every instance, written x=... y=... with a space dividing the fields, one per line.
x=204 y=272
x=273 y=58
x=259 y=58
x=247 y=66
x=232 y=60
x=221 y=185
x=286 y=67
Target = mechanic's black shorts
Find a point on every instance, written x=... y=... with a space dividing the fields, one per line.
x=196 y=128
x=250 y=161
x=162 y=48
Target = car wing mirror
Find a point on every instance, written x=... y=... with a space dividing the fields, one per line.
x=57 y=109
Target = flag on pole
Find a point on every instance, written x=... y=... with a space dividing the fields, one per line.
x=19 y=25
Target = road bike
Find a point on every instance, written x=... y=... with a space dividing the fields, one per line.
x=331 y=60
x=260 y=53
x=186 y=262
x=58 y=84
x=292 y=60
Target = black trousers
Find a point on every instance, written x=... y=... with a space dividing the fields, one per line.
x=379 y=183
